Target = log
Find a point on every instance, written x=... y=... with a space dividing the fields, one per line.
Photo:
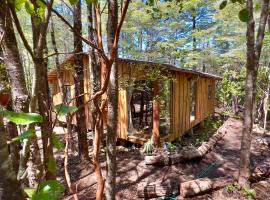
x=261 y=171
x=203 y=185
x=157 y=160
x=195 y=187
x=157 y=189
x=185 y=156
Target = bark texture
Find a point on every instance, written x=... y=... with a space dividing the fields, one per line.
x=112 y=104
x=253 y=57
x=39 y=31
x=79 y=85
x=15 y=74
x=9 y=186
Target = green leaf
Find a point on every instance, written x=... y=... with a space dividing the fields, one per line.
x=150 y=2
x=73 y=2
x=52 y=165
x=18 y=4
x=30 y=192
x=50 y=190
x=241 y=1
x=243 y=15
x=223 y=5
x=41 y=4
x=25 y=135
x=56 y=142
x=40 y=13
x=233 y=1
x=63 y=109
x=22 y=118
x=29 y=7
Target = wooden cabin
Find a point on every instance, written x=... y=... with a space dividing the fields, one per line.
x=153 y=98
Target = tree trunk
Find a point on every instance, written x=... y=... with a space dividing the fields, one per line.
x=79 y=85
x=94 y=67
x=266 y=99
x=15 y=74
x=253 y=57
x=43 y=96
x=156 y=114
x=9 y=186
x=112 y=105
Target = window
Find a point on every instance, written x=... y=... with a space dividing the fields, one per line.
x=193 y=89
x=210 y=92
x=67 y=90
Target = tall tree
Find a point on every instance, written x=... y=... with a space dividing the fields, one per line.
x=94 y=66
x=254 y=47
x=10 y=188
x=16 y=78
x=79 y=84
x=40 y=16
x=112 y=103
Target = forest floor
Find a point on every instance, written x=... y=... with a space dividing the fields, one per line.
x=131 y=169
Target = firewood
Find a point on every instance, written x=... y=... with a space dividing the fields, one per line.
x=157 y=189
x=185 y=155
x=195 y=187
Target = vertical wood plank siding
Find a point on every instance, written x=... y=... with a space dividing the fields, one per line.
x=180 y=104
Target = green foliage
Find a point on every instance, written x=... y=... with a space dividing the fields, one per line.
x=148 y=146
x=170 y=146
x=243 y=15
x=22 y=118
x=223 y=5
x=249 y=193
x=73 y=2
x=29 y=7
x=18 y=4
x=62 y=109
x=47 y=190
x=57 y=142
x=52 y=165
x=232 y=187
x=30 y=192
x=202 y=138
x=25 y=135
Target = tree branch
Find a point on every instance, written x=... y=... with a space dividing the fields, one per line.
x=118 y=30
x=44 y=27
x=19 y=29
x=90 y=43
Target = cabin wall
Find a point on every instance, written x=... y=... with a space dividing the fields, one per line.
x=181 y=105
x=68 y=79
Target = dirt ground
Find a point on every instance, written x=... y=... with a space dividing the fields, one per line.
x=131 y=169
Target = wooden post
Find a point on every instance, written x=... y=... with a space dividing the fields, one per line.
x=155 y=114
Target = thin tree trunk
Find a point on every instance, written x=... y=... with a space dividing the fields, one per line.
x=15 y=74
x=266 y=99
x=79 y=85
x=112 y=105
x=43 y=96
x=253 y=57
x=94 y=66
x=9 y=186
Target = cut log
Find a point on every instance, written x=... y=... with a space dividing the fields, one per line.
x=157 y=189
x=202 y=185
x=185 y=156
x=261 y=171
x=195 y=187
